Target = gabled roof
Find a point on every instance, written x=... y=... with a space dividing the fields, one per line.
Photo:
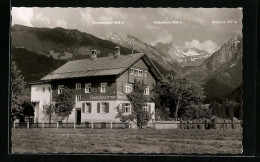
x=101 y=66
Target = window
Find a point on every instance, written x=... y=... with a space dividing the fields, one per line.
x=78 y=85
x=127 y=88
x=49 y=89
x=126 y=107
x=136 y=72
x=131 y=71
x=140 y=73
x=145 y=107
x=87 y=87
x=146 y=90
x=60 y=89
x=43 y=89
x=44 y=107
x=78 y=97
x=103 y=87
x=86 y=107
x=103 y=107
x=145 y=73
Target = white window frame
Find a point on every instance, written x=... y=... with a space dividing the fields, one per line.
x=127 y=107
x=131 y=71
x=87 y=87
x=145 y=107
x=128 y=88
x=78 y=85
x=136 y=72
x=140 y=73
x=60 y=89
x=146 y=90
x=103 y=87
x=78 y=97
x=145 y=73
x=102 y=107
x=87 y=106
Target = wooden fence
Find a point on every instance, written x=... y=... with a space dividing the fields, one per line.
x=120 y=125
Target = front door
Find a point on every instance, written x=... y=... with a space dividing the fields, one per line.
x=78 y=116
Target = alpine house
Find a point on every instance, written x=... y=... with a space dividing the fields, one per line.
x=99 y=85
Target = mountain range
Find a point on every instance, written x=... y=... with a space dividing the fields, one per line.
x=46 y=49
x=168 y=55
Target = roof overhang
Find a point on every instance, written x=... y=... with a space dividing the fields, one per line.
x=152 y=67
x=155 y=71
x=39 y=82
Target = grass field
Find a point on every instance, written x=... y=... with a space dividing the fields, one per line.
x=52 y=140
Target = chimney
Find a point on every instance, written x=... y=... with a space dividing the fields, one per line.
x=117 y=51
x=94 y=54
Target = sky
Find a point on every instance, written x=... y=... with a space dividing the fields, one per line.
x=203 y=28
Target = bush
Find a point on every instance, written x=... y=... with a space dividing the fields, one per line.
x=215 y=123
x=197 y=112
x=235 y=123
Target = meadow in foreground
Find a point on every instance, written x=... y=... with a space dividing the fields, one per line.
x=53 y=140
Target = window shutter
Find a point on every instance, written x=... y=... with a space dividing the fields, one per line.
x=107 y=107
x=90 y=106
x=90 y=88
x=123 y=107
x=149 y=108
x=131 y=108
x=124 y=84
x=83 y=107
x=107 y=88
x=98 y=107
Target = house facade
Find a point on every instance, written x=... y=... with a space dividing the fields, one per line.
x=100 y=87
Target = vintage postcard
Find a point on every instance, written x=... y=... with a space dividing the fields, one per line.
x=126 y=80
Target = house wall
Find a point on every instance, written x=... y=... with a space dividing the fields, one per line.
x=95 y=84
x=127 y=78
x=40 y=98
x=94 y=116
x=114 y=95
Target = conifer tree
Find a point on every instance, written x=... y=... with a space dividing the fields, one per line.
x=19 y=94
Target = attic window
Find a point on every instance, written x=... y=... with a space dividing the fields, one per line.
x=145 y=73
x=131 y=71
x=136 y=72
x=140 y=73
